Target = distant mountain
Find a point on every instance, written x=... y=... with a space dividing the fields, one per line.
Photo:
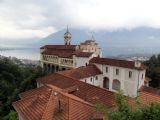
x=58 y=37
x=141 y=40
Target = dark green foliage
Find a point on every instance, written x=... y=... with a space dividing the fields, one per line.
x=14 y=79
x=126 y=112
x=12 y=115
x=153 y=70
x=123 y=111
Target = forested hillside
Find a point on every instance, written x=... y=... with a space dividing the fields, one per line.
x=153 y=70
x=14 y=79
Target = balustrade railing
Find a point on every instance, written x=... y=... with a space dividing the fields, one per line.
x=55 y=59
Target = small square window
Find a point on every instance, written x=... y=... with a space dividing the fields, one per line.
x=130 y=74
x=96 y=77
x=117 y=71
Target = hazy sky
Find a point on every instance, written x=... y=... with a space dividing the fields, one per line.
x=38 y=18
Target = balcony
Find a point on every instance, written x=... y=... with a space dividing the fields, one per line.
x=66 y=62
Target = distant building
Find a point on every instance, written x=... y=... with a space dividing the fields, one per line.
x=62 y=57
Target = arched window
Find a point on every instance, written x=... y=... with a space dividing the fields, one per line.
x=116 y=85
x=57 y=68
x=106 y=82
x=53 y=68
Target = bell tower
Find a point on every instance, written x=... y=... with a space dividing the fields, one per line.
x=67 y=37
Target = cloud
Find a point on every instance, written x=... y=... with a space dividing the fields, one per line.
x=38 y=18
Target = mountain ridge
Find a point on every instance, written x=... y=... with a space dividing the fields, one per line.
x=114 y=42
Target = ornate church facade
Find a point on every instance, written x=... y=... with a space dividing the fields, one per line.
x=116 y=74
x=63 y=57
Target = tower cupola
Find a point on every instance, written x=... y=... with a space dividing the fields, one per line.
x=67 y=37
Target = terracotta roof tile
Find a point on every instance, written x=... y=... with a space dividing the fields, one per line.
x=32 y=107
x=34 y=92
x=92 y=93
x=145 y=98
x=60 y=47
x=82 y=72
x=150 y=90
x=85 y=91
x=43 y=104
x=47 y=106
x=116 y=62
x=66 y=53
x=59 y=53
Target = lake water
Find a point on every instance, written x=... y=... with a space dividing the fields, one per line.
x=30 y=53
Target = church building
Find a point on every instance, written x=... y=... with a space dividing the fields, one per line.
x=63 y=57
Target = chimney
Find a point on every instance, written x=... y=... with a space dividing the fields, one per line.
x=59 y=106
x=137 y=64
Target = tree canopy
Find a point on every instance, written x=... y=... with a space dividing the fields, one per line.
x=153 y=70
x=124 y=111
x=14 y=79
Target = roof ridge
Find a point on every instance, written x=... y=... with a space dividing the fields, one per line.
x=71 y=96
x=80 y=100
x=117 y=62
x=21 y=94
x=112 y=58
x=47 y=105
x=85 y=83
x=68 y=76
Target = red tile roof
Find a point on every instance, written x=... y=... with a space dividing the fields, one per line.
x=150 y=90
x=145 y=98
x=51 y=106
x=117 y=62
x=66 y=53
x=59 y=53
x=82 y=72
x=32 y=107
x=60 y=47
x=43 y=104
x=91 y=93
x=85 y=91
x=34 y=92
